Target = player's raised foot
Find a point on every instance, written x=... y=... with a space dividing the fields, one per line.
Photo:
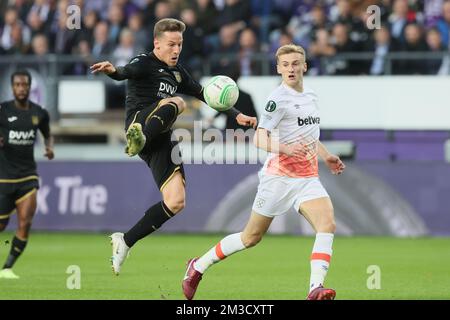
x=321 y=293
x=191 y=279
x=120 y=251
x=135 y=139
x=8 y=274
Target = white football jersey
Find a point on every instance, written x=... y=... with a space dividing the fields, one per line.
x=292 y=117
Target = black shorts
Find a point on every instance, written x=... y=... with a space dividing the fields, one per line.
x=12 y=193
x=162 y=155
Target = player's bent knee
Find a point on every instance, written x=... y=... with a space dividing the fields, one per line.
x=175 y=205
x=181 y=104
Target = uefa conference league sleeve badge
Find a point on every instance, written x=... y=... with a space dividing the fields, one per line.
x=271 y=106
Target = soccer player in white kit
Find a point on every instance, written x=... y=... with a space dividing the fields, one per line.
x=289 y=130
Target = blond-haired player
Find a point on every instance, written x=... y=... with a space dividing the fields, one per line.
x=289 y=130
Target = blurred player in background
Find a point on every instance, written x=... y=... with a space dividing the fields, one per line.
x=19 y=121
x=151 y=109
x=289 y=130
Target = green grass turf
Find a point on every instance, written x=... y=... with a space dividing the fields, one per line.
x=278 y=268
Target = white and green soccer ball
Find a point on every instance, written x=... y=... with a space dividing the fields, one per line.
x=221 y=93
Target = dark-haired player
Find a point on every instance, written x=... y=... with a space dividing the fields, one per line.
x=20 y=119
x=151 y=108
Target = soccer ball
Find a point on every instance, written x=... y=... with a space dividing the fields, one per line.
x=221 y=93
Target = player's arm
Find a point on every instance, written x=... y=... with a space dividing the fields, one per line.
x=333 y=162
x=132 y=70
x=44 y=127
x=263 y=139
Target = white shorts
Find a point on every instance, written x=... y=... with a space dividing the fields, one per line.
x=277 y=194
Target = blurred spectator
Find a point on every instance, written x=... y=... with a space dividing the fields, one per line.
x=414 y=42
x=12 y=20
x=116 y=22
x=141 y=35
x=432 y=11
x=248 y=47
x=18 y=47
x=63 y=38
x=264 y=19
x=127 y=7
x=126 y=49
x=192 y=54
x=381 y=46
x=227 y=49
x=35 y=23
x=398 y=20
x=83 y=50
x=39 y=45
x=90 y=20
x=443 y=25
x=434 y=44
x=236 y=12
x=343 y=44
x=101 y=46
x=321 y=47
x=207 y=15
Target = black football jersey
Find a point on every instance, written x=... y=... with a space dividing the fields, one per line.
x=18 y=132
x=150 y=80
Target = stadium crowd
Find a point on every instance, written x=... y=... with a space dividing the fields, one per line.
x=229 y=30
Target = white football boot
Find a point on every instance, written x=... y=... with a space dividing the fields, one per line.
x=120 y=251
x=8 y=274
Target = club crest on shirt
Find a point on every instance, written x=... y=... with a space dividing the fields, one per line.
x=271 y=106
x=35 y=120
x=177 y=75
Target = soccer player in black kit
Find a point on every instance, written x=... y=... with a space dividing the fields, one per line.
x=151 y=109
x=20 y=119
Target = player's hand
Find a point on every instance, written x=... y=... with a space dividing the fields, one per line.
x=104 y=66
x=247 y=121
x=49 y=153
x=335 y=164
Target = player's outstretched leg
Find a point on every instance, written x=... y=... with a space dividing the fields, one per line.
x=197 y=266
x=256 y=227
x=121 y=243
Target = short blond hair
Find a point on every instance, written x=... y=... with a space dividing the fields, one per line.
x=290 y=48
x=168 y=24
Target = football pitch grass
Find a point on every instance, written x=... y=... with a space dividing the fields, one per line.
x=276 y=269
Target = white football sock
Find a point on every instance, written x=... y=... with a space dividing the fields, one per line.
x=320 y=259
x=226 y=247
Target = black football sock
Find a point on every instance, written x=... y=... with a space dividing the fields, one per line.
x=17 y=247
x=161 y=120
x=153 y=219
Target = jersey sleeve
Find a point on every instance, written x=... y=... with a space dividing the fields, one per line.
x=44 y=124
x=272 y=114
x=135 y=69
x=189 y=85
